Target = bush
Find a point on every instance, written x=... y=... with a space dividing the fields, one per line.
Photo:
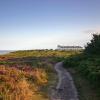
x=88 y=63
x=94 y=46
x=20 y=84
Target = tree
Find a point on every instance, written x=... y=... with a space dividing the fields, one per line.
x=94 y=46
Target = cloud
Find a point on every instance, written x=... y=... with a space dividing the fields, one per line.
x=92 y=31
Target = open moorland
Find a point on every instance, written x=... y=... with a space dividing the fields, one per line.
x=29 y=74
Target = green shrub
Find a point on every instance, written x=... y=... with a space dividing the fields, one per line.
x=88 y=62
x=94 y=46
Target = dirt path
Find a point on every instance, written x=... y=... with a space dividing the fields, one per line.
x=65 y=88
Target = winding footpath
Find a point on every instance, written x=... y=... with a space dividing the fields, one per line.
x=65 y=88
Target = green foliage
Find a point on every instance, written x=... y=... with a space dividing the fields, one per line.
x=89 y=67
x=94 y=46
x=73 y=60
x=88 y=63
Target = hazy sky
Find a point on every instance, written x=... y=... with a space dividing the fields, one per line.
x=36 y=24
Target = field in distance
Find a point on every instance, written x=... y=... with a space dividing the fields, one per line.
x=28 y=75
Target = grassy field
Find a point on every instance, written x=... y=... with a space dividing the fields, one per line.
x=28 y=75
x=39 y=53
x=32 y=71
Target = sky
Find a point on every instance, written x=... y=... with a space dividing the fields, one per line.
x=44 y=24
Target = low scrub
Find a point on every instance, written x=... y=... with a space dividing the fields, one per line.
x=88 y=62
x=16 y=84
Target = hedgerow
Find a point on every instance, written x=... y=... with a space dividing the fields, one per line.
x=88 y=63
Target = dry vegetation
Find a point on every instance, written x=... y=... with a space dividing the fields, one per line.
x=20 y=84
x=28 y=75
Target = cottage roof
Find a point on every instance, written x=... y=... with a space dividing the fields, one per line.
x=69 y=46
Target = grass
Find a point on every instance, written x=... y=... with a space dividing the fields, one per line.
x=85 y=89
x=39 y=53
x=21 y=83
x=85 y=70
x=33 y=71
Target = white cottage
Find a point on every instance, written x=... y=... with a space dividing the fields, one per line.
x=59 y=47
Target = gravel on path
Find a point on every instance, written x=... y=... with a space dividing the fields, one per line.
x=65 y=88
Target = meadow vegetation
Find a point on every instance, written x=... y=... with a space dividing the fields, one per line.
x=21 y=83
x=28 y=74
x=87 y=65
x=39 y=53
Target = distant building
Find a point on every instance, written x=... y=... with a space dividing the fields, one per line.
x=59 y=47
